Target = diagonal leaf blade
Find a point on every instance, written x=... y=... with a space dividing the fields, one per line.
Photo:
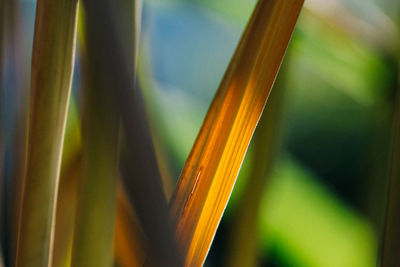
x=210 y=171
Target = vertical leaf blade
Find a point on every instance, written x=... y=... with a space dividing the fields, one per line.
x=113 y=48
x=94 y=224
x=391 y=233
x=52 y=64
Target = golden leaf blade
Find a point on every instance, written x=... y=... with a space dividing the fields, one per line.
x=210 y=171
x=265 y=148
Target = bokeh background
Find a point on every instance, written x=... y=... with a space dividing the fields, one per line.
x=320 y=200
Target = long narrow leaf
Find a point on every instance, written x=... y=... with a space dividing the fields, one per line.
x=52 y=64
x=65 y=214
x=15 y=122
x=391 y=234
x=94 y=224
x=243 y=245
x=2 y=41
x=113 y=47
x=67 y=192
x=210 y=172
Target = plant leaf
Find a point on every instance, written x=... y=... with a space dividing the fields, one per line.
x=66 y=210
x=52 y=65
x=97 y=189
x=130 y=245
x=210 y=171
x=108 y=25
x=391 y=234
x=265 y=145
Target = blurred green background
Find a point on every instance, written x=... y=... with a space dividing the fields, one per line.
x=324 y=198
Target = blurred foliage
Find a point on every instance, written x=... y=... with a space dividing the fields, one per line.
x=337 y=121
x=305 y=225
x=323 y=203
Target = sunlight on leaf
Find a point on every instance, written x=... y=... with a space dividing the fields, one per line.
x=210 y=171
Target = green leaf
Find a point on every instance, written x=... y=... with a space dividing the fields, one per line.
x=52 y=65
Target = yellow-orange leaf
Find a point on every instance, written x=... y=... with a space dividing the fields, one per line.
x=210 y=171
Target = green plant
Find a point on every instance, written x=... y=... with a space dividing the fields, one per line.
x=176 y=234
